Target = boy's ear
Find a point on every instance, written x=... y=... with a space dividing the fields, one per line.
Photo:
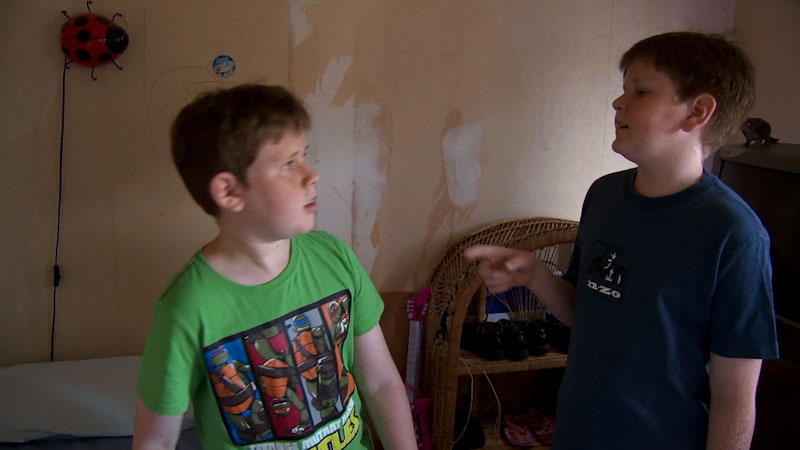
x=700 y=112
x=226 y=190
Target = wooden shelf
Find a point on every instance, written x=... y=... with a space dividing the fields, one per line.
x=474 y=363
x=494 y=441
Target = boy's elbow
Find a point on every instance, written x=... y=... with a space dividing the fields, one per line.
x=380 y=381
x=139 y=445
x=152 y=431
x=143 y=440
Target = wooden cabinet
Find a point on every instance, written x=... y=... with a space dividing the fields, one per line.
x=456 y=292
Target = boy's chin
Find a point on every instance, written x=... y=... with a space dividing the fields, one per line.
x=307 y=228
x=622 y=152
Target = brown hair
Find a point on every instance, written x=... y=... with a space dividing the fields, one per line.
x=700 y=63
x=222 y=130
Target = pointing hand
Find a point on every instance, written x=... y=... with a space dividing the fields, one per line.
x=502 y=268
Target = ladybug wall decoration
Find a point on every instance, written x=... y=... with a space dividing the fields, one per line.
x=93 y=40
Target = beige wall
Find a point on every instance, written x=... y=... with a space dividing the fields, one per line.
x=769 y=32
x=431 y=118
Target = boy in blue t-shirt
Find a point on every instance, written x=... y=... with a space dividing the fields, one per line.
x=669 y=287
x=271 y=329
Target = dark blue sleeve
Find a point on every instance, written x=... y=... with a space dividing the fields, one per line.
x=742 y=314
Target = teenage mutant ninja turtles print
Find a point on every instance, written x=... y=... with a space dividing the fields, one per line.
x=286 y=379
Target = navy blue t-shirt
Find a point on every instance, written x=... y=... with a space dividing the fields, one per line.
x=661 y=283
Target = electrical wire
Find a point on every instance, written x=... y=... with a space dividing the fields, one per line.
x=498 y=418
x=56 y=268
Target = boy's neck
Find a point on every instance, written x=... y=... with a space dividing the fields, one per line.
x=663 y=180
x=247 y=262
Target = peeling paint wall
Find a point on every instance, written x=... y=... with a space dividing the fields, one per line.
x=430 y=119
x=461 y=149
x=331 y=147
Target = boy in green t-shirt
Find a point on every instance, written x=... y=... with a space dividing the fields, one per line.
x=271 y=330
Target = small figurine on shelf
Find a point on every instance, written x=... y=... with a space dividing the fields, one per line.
x=758 y=131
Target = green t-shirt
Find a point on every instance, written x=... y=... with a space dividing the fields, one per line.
x=269 y=366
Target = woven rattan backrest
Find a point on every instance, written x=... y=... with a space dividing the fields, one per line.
x=454 y=283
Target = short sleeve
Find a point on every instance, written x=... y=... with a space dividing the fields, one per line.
x=367 y=303
x=742 y=313
x=169 y=373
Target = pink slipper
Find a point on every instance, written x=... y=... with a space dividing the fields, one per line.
x=516 y=432
x=541 y=425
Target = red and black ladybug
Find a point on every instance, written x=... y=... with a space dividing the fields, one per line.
x=93 y=40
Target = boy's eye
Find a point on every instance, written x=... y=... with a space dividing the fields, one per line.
x=290 y=164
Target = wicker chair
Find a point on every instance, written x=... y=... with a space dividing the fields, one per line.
x=454 y=285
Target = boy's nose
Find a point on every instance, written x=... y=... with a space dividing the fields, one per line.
x=313 y=176
x=617 y=103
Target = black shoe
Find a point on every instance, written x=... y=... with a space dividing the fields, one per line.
x=514 y=344
x=536 y=337
x=557 y=333
x=483 y=339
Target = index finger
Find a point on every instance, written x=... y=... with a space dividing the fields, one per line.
x=490 y=252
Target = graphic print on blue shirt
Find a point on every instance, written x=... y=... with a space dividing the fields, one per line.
x=285 y=379
x=608 y=271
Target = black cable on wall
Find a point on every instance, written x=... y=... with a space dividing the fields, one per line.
x=56 y=268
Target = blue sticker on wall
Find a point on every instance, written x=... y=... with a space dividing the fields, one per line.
x=224 y=66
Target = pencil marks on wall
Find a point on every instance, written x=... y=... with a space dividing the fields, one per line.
x=172 y=89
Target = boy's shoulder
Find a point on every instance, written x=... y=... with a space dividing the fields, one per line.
x=192 y=277
x=709 y=201
x=730 y=208
x=198 y=279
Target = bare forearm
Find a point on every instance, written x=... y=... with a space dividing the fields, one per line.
x=390 y=412
x=730 y=426
x=557 y=295
x=732 y=415
x=382 y=390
